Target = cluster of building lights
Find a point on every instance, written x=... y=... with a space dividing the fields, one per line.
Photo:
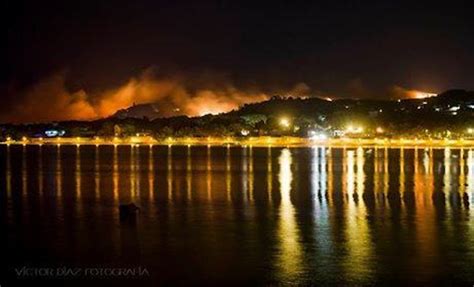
x=245 y=132
x=354 y=129
x=285 y=122
x=317 y=136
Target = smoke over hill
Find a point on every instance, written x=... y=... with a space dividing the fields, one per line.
x=51 y=99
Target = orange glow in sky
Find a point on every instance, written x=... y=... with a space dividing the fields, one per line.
x=414 y=94
x=422 y=95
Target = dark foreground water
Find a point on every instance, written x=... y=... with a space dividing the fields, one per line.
x=238 y=215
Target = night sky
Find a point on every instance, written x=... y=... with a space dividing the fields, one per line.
x=341 y=48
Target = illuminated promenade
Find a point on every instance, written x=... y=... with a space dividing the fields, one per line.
x=253 y=141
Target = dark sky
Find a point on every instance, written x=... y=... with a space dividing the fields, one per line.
x=331 y=46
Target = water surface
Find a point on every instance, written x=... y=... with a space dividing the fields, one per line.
x=242 y=215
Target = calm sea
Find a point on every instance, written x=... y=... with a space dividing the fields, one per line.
x=236 y=215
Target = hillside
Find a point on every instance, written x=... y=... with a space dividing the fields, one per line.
x=449 y=113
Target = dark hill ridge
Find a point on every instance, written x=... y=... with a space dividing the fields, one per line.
x=454 y=96
x=282 y=106
x=149 y=111
x=309 y=106
x=314 y=105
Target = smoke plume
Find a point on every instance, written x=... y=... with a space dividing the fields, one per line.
x=51 y=100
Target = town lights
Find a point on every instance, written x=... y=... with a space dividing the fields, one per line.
x=284 y=122
x=379 y=130
x=470 y=131
x=316 y=136
x=354 y=130
x=244 y=132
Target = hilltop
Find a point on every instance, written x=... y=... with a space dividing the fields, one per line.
x=449 y=114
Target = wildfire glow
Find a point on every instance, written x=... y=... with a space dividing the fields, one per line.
x=169 y=94
x=399 y=92
x=423 y=95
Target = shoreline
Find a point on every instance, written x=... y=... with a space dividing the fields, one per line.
x=251 y=141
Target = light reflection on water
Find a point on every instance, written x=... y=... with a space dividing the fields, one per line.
x=303 y=215
x=289 y=251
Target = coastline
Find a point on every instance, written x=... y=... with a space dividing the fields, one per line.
x=252 y=141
